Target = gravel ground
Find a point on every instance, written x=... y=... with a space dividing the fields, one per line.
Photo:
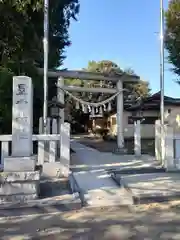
x=145 y=222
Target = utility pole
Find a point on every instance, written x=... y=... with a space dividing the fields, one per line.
x=162 y=80
x=46 y=52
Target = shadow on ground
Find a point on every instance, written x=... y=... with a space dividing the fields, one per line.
x=155 y=221
x=151 y=221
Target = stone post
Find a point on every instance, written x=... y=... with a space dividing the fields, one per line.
x=60 y=98
x=169 y=163
x=137 y=138
x=119 y=116
x=65 y=148
x=158 y=140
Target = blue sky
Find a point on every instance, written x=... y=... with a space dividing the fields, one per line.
x=124 y=31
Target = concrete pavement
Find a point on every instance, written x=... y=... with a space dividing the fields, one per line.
x=96 y=185
x=151 y=183
x=86 y=158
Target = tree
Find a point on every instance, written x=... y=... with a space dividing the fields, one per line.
x=172 y=34
x=104 y=66
x=140 y=89
x=22 y=30
x=21 y=47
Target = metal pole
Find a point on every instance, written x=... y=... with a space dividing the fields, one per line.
x=162 y=79
x=46 y=51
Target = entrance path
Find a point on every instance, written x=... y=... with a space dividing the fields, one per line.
x=89 y=169
x=86 y=158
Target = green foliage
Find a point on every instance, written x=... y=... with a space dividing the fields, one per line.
x=140 y=89
x=105 y=67
x=21 y=45
x=5 y=99
x=172 y=36
x=22 y=30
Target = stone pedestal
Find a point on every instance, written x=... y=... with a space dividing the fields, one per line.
x=19 y=182
x=19 y=186
x=19 y=164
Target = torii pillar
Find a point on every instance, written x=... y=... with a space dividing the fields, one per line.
x=119 y=117
x=60 y=98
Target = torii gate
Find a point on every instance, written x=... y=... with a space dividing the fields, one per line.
x=117 y=78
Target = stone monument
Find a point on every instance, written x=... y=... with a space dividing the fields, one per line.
x=22 y=116
x=20 y=181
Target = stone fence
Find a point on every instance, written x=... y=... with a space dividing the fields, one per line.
x=171 y=146
x=52 y=147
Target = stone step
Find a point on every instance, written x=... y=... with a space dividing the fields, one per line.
x=65 y=202
x=19 y=188
x=98 y=189
x=141 y=170
x=108 y=197
x=150 y=187
x=17 y=198
x=19 y=176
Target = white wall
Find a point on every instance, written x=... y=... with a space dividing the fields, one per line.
x=147 y=130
